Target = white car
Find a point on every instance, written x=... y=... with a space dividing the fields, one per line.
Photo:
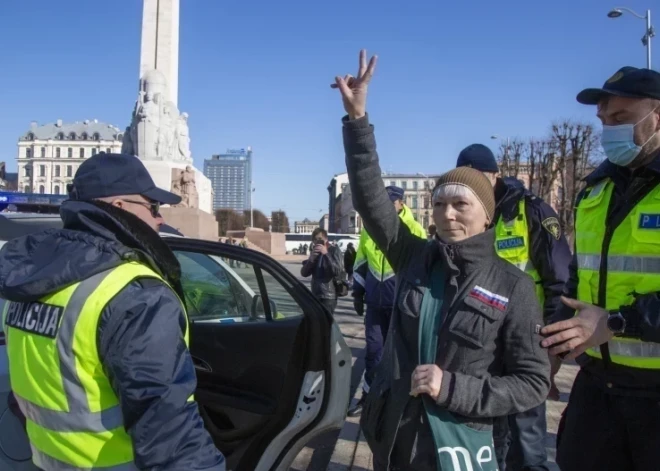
x=273 y=368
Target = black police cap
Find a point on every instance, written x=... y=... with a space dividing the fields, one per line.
x=628 y=82
x=105 y=175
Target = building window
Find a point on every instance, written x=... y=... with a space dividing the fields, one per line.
x=28 y=152
x=108 y=151
x=69 y=152
x=94 y=151
x=69 y=171
x=427 y=202
x=42 y=189
x=43 y=152
x=97 y=136
x=72 y=136
x=392 y=183
x=82 y=152
x=404 y=185
x=415 y=185
x=57 y=170
x=26 y=189
x=414 y=202
x=60 y=136
x=83 y=136
x=26 y=171
x=42 y=170
x=58 y=152
x=30 y=137
x=57 y=189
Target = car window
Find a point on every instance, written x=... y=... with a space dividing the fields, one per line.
x=212 y=288
x=224 y=289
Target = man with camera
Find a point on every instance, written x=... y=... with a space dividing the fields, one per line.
x=324 y=265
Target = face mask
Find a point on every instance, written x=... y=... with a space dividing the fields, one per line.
x=619 y=142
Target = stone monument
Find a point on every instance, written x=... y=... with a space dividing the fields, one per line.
x=158 y=133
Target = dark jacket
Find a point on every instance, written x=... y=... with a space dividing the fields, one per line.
x=492 y=360
x=349 y=260
x=549 y=252
x=324 y=269
x=643 y=317
x=139 y=338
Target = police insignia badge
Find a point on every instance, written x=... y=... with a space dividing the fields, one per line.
x=615 y=77
x=552 y=226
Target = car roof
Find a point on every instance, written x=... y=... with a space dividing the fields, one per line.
x=14 y=225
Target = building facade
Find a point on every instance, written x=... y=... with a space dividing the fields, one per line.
x=417 y=196
x=305 y=226
x=231 y=178
x=50 y=154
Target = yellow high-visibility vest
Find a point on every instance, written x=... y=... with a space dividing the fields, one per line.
x=630 y=262
x=74 y=420
x=512 y=244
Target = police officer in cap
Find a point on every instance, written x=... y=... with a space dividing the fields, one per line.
x=97 y=332
x=612 y=310
x=528 y=234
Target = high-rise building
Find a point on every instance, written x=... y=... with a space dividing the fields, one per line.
x=231 y=178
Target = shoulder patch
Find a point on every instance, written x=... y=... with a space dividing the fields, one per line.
x=552 y=226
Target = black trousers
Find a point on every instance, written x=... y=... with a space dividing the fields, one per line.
x=520 y=441
x=603 y=431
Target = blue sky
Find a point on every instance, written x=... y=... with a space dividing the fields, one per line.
x=257 y=72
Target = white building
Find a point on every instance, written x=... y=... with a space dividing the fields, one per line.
x=305 y=226
x=417 y=196
x=49 y=155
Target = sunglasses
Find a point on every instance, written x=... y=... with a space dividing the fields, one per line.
x=154 y=206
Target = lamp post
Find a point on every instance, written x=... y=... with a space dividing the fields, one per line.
x=251 y=208
x=648 y=33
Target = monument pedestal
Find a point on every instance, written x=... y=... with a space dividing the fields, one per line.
x=192 y=222
x=161 y=172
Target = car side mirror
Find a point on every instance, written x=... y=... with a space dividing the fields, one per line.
x=258 y=307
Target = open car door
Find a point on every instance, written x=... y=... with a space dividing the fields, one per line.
x=273 y=369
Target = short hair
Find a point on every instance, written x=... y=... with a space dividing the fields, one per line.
x=318 y=231
x=452 y=190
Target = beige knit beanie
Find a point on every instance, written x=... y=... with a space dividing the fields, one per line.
x=475 y=181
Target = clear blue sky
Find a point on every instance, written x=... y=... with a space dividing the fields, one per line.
x=257 y=72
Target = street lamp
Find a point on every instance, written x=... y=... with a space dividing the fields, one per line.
x=251 y=208
x=648 y=34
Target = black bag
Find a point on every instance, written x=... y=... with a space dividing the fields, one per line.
x=341 y=287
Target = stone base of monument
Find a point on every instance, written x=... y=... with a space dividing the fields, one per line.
x=161 y=172
x=191 y=222
x=272 y=243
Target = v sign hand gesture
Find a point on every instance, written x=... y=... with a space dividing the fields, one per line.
x=354 y=89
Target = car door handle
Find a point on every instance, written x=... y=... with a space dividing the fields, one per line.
x=201 y=365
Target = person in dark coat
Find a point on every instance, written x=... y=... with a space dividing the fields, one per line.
x=349 y=260
x=464 y=342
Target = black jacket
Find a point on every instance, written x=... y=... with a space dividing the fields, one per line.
x=549 y=252
x=139 y=337
x=492 y=360
x=643 y=317
x=324 y=269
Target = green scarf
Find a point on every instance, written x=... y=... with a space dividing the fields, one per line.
x=459 y=447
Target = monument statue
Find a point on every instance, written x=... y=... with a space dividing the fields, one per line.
x=157 y=130
x=183 y=184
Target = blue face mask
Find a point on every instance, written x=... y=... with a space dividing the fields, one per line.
x=619 y=142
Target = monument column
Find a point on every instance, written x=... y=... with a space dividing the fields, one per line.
x=160 y=43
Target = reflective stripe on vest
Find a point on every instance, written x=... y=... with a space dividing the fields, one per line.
x=512 y=244
x=74 y=420
x=632 y=265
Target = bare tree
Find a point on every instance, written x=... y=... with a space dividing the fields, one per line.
x=228 y=220
x=553 y=167
x=578 y=154
x=260 y=219
x=280 y=221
